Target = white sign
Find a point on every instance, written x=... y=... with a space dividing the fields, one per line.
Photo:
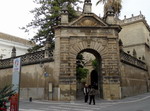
x=16 y=74
x=50 y=87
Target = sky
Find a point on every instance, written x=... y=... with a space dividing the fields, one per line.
x=16 y=13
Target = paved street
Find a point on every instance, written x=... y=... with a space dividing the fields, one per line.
x=136 y=103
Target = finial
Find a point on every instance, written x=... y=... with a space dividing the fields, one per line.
x=48 y=43
x=99 y=15
x=78 y=8
x=143 y=58
x=134 y=53
x=125 y=17
x=87 y=1
x=110 y=11
x=13 y=53
x=140 y=13
x=87 y=8
x=14 y=49
x=109 y=16
x=64 y=7
x=64 y=13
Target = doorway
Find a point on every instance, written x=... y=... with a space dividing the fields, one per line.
x=91 y=61
x=94 y=79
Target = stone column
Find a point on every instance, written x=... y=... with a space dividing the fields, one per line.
x=67 y=79
x=56 y=92
x=111 y=70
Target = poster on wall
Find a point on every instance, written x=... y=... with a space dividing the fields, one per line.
x=14 y=100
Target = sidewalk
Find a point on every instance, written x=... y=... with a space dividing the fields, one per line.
x=126 y=100
x=99 y=101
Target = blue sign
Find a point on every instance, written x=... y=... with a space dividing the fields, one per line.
x=46 y=74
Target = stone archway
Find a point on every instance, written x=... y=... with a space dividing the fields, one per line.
x=66 y=64
x=91 y=80
x=98 y=38
x=67 y=77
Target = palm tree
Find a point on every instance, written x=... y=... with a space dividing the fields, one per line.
x=115 y=4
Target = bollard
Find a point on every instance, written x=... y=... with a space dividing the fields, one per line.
x=30 y=99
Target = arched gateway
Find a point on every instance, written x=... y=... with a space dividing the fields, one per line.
x=87 y=33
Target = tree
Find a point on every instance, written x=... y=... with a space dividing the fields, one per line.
x=81 y=72
x=47 y=16
x=95 y=64
x=115 y=4
x=5 y=93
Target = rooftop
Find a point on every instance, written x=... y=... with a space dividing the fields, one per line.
x=14 y=39
x=134 y=19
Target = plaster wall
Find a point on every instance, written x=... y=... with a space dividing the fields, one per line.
x=6 y=48
x=34 y=83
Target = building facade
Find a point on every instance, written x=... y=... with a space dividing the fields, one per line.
x=8 y=42
x=135 y=35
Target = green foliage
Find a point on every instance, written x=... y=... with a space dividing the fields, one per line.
x=34 y=49
x=80 y=61
x=81 y=73
x=47 y=16
x=5 y=93
x=95 y=64
x=115 y=4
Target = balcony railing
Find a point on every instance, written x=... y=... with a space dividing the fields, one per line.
x=126 y=58
x=30 y=58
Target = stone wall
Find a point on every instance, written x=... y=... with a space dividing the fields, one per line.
x=134 y=76
x=133 y=80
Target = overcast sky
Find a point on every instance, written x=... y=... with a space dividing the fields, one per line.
x=15 y=14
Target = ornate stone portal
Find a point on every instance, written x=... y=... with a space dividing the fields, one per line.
x=88 y=33
x=120 y=74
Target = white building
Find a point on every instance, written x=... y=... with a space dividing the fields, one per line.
x=7 y=42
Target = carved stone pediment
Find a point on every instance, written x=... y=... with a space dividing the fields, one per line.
x=88 y=21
